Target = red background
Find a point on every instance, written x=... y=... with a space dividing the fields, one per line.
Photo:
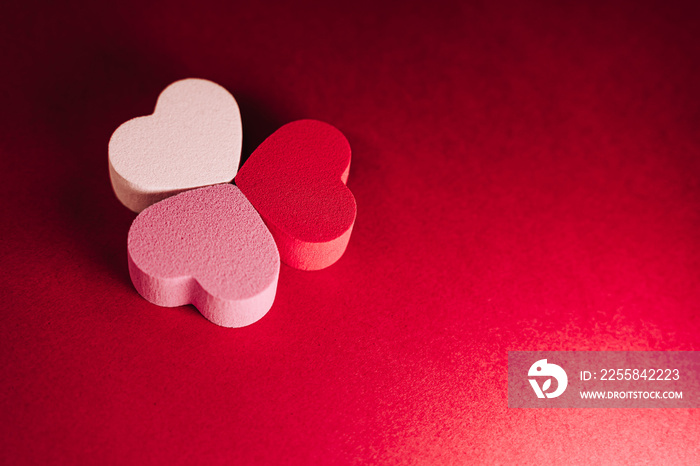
x=527 y=178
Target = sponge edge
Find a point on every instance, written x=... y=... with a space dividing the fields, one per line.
x=192 y=139
x=134 y=197
x=296 y=180
x=207 y=247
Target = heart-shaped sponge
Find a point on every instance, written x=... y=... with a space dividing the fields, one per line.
x=296 y=181
x=193 y=139
x=208 y=247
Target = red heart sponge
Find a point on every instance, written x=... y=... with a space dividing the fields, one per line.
x=296 y=179
x=208 y=247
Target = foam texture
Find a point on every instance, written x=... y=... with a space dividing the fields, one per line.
x=296 y=179
x=208 y=247
x=193 y=139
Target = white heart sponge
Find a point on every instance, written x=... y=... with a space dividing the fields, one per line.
x=192 y=139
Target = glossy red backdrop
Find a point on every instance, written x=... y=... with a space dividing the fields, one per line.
x=527 y=178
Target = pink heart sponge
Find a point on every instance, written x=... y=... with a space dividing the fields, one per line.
x=207 y=247
x=296 y=181
x=193 y=139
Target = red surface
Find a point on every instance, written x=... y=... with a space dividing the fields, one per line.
x=527 y=178
x=296 y=179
